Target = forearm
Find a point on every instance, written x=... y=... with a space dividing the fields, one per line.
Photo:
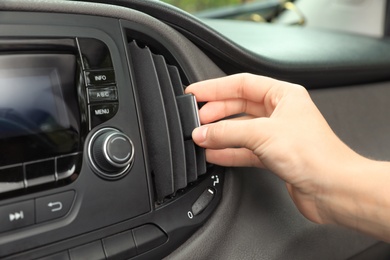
x=359 y=198
x=285 y=133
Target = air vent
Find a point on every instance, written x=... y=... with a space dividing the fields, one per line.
x=168 y=117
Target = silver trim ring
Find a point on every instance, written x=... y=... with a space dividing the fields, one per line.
x=96 y=168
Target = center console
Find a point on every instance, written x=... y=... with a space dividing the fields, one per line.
x=89 y=169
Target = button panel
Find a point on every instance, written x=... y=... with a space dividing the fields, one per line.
x=38 y=173
x=17 y=215
x=148 y=237
x=93 y=250
x=124 y=245
x=101 y=113
x=102 y=94
x=120 y=246
x=34 y=211
x=67 y=165
x=11 y=178
x=58 y=256
x=99 y=77
x=30 y=174
x=53 y=206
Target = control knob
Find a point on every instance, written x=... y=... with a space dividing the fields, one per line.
x=111 y=152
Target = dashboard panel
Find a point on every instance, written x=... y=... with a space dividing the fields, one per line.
x=97 y=205
x=137 y=186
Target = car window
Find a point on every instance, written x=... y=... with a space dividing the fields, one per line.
x=339 y=15
x=248 y=10
x=194 y=6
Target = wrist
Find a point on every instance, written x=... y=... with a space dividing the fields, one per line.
x=356 y=198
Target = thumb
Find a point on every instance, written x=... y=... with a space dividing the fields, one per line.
x=229 y=134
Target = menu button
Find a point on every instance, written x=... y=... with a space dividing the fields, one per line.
x=102 y=112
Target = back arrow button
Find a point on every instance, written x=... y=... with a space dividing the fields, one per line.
x=54 y=206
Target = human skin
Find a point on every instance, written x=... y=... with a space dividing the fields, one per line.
x=281 y=129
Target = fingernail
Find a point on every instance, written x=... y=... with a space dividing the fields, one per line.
x=199 y=134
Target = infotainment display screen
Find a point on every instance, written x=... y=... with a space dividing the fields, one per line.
x=39 y=114
x=31 y=103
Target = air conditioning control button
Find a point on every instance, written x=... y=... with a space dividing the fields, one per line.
x=102 y=94
x=203 y=201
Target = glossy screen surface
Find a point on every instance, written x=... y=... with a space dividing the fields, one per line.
x=38 y=115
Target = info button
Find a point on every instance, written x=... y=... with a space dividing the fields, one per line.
x=99 y=77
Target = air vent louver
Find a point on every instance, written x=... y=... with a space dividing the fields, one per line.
x=168 y=119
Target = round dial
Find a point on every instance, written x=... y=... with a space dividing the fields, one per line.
x=111 y=152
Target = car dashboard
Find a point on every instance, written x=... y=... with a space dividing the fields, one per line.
x=98 y=160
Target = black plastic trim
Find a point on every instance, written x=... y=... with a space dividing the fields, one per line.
x=386 y=30
x=154 y=119
x=173 y=119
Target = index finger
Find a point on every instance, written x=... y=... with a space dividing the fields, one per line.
x=240 y=86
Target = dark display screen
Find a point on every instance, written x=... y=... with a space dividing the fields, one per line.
x=39 y=116
x=31 y=102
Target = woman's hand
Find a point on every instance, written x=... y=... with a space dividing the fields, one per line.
x=281 y=129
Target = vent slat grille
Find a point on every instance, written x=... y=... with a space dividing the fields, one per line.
x=175 y=161
x=192 y=171
x=154 y=120
x=178 y=88
x=173 y=119
x=201 y=167
x=189 y=116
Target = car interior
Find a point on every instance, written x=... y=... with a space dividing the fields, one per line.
x=98 y=162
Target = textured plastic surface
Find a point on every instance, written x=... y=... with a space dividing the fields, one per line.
x=173 y=119
x=341 y=68
x=155 y=120
x=168 y=122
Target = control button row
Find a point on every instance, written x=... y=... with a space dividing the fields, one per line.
x=100 y=113
x=101 y=90
x=36 y=173
x=34 y=211
x=124 y=245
